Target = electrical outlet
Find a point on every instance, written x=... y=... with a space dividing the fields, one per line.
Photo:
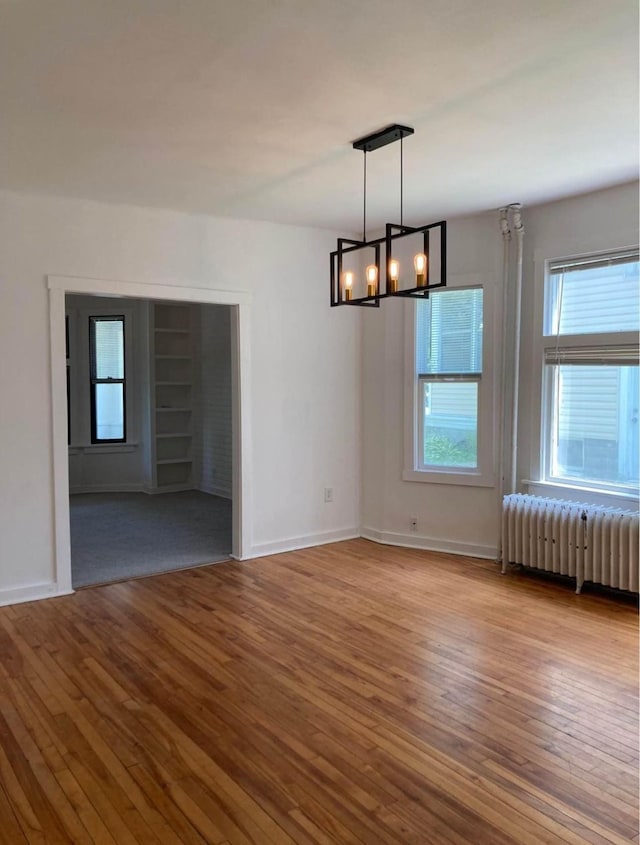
x=328 y=494
x=413 y=524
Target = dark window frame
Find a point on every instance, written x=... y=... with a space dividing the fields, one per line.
x=93 y=381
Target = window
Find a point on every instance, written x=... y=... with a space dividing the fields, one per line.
x=107 y=378
x=448 y=373
x=590 y=384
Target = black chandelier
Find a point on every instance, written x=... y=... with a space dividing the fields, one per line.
x=353 y=283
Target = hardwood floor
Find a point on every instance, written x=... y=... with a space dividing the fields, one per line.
x=352 y=693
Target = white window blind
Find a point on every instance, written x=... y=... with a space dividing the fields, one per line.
x=107 y=348
x=449 y=333
x=593 y=355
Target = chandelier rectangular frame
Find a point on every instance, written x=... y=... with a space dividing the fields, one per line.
x=418 y=291
x=337 y=292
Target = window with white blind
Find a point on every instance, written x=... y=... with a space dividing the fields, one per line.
x=590 y=383
x=107 y=374
x=448 y=370
x=449 y=395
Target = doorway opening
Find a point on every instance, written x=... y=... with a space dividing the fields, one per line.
x=150 y=436
x=150 y=425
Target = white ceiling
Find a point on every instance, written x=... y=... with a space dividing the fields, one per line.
x=247 y=108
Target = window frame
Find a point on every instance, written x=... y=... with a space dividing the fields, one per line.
x=484 y=475
x=93 y=380
x=442 y=378
x=80 y=376
x=542 y=450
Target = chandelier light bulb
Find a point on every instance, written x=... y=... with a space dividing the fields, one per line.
x=372 y=279
x=394 y=275
x=420 y=264
x=348 y=284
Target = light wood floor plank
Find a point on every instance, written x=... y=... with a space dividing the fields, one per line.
x=10 y=831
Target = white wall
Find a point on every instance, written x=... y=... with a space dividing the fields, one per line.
x=455 y=518
x=214 y=418
x=451 y=517
x=305 y=362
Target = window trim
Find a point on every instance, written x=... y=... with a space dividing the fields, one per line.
x=484 y=475
x=548 y=426
x=540 y=461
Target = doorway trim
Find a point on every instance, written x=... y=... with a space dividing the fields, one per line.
x=240 y=301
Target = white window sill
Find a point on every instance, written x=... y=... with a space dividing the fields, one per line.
x=590 y=495
x=463 y=479
x=102 y=448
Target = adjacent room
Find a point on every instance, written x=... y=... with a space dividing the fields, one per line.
x=149 y=433
x=319 y=489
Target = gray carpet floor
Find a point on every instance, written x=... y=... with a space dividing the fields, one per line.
x=115 y=536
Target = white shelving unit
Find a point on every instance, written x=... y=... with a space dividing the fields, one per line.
x=172 y=398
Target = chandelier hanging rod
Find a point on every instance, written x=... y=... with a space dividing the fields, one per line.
x=367 y=144
x=401 y=181
x=364 y=199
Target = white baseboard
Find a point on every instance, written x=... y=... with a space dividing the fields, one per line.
x=293 y=543
x=213 y=490
x=429 y=544
x=107 y=488
x=31 y=592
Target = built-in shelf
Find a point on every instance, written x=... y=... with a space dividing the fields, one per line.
x=172 y=383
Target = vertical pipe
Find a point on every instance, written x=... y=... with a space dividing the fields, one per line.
x=506 y=244
x=519 y=230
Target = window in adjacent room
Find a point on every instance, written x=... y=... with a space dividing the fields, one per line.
x=590 y=384
x=107 y=379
